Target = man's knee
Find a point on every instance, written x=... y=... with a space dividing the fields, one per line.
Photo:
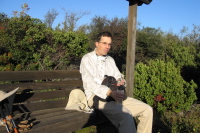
x=149 y=110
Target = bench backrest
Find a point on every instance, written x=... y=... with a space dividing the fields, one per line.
x=40 y=89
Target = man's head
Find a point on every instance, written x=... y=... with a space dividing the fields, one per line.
x=103 y=43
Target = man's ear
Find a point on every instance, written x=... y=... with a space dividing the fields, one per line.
x=96 y=44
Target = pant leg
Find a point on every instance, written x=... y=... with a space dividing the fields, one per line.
x=144 y=113
x=119 y=115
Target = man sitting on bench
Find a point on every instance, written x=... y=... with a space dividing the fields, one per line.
x=93 y=68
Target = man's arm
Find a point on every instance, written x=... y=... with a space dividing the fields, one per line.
x=116 y=95
x=87 y=69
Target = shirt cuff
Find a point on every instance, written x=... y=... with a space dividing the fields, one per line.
x=104 y=92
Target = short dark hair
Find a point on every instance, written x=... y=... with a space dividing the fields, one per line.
x=105 y=33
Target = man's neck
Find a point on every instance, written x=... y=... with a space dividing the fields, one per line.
x=99 y=55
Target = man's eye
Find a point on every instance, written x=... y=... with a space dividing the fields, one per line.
x=107 y=43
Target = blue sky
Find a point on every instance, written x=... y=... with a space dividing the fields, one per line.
x=169 y=15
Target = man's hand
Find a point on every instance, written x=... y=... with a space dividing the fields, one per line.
x=116 y=95
x=120 y=82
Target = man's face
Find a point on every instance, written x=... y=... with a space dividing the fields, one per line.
x=103 y=46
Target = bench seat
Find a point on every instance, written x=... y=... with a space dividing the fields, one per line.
x=42 y=97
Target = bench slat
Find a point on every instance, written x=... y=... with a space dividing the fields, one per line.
x=31 y=107
x=41 y=96
x=43 y=85
x=64 y=126
x=38 y=75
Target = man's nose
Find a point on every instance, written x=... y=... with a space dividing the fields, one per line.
x=107 y=46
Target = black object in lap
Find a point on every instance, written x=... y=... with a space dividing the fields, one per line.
x=111 y=83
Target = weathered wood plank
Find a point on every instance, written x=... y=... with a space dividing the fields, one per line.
x=63 y=123
x=55 y=120
x=130 y=55
x=38 y=75
x=42 y=114
x=42 y=85
x=31 y=107
x=41 y=96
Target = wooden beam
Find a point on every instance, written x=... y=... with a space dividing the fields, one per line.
x=38 y=75
x=130 y=57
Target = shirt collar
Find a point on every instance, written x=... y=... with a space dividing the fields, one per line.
x=99 y=55
x=95 y=56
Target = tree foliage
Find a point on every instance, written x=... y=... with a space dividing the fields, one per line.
x=24 y=11
x=27 y=44
x=149 y=44
x=50 y=17
x=21 y=36
x=71 y=19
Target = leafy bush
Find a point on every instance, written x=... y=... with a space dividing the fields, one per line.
x=181 y=55
x=61 y=50
x=149 y=44
x=184 y=122
x=27 y=44
x=21 y=36
x=160 y=85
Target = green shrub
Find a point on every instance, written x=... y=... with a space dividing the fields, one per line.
x=184 y=122
x=61 y=50
x=181 y=55
x=21 y=37
x=27 y=44
x=160 y=85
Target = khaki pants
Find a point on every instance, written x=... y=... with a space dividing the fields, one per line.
x=121 y=115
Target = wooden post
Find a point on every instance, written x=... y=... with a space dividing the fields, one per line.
x=130 y=57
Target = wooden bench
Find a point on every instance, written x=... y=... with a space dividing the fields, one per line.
x=42 y=97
